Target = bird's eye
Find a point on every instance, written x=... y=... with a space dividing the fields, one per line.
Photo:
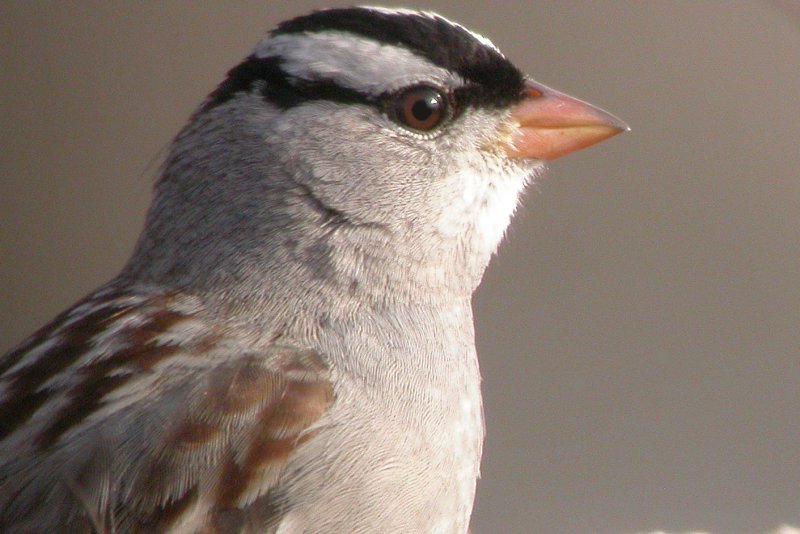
x=421 y=108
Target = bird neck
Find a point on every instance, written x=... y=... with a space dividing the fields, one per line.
x=293 y=253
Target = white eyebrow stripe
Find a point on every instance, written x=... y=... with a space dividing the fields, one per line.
x=353 y=62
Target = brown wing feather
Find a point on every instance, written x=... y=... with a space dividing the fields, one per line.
x=250 y=420
x=212 y=435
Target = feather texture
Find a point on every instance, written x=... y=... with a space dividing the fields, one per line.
x=89 y=380
x=290 y=348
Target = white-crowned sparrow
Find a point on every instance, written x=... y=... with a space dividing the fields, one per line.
x=290 y=348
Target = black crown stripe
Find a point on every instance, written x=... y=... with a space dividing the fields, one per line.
x=492 y=80
x=429 y=36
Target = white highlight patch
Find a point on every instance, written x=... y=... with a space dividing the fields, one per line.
x=483 y=211
x=126 y=322
x=141 y=388
x=354 y=62
x=35 y=353
x=96 y=304
x=182 y=333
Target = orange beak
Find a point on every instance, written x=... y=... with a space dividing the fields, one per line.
x=551 y=124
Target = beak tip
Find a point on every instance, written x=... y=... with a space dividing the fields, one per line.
x=612 y=121
x=622 y=126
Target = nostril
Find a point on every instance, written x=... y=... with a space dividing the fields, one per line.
x=532 y=92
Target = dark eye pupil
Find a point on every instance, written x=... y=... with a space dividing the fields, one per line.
x=420 y=108
x=424 y=108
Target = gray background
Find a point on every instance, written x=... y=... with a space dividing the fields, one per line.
x=639 y=329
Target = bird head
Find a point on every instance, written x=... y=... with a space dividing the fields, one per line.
x=378 y=148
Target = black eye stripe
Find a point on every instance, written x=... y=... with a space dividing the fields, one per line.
x=266 y=76
x=277 y=87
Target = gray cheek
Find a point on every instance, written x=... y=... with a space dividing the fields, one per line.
x=354 y=161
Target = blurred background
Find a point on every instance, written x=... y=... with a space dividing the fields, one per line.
x=639 y=331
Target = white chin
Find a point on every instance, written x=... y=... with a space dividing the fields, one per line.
x=483 y=211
